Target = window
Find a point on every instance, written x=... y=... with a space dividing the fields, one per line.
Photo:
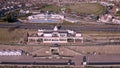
x=78 y=40
x=63 y=35
x=31 y=40
x=55 y=35
x=47 y=39
x=70 y=40
x=62 y=39
x=55 y=40
x=40 y=40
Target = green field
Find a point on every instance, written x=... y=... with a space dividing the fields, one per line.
x=86 y=8
x=53 y=8
x=8 y=35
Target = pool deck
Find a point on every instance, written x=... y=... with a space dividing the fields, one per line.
x=43 y=21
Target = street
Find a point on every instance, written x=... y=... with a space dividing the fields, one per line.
x=104 y=28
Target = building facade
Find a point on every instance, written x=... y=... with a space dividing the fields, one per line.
x=11 y=52
x=46 y=18
x=49 y=18
x=55 y=36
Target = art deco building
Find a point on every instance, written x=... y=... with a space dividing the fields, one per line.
x=11 y=52
x=55 y=36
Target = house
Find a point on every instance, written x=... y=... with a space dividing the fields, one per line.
x=116 y=21
x=105 y=18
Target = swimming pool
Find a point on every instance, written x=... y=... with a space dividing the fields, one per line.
x=45 y=21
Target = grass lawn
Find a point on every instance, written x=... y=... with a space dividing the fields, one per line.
x=7 y=36
x=67 y=23
x=87 y=8
x=51 y=8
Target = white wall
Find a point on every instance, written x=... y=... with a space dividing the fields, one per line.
x=10 y=53
x=55 y=40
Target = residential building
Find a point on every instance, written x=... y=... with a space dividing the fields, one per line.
x=105 y=18
x=116 y=21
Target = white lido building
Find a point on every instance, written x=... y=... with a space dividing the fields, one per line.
x=46 y=16
x=55 y=36
x=49 y=18
x=10 y=52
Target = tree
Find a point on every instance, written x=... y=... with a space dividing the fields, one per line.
x=11 y=17
x=118 y=13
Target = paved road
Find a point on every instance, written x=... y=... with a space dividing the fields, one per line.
x=106 y=28
x=29 y=60
x=103 y=59
x=92 y=60
x=39 y=63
